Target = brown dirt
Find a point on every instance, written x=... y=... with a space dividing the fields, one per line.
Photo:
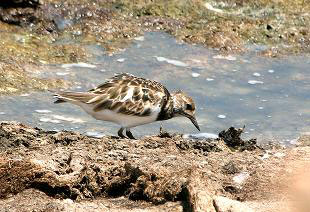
x=69 y=170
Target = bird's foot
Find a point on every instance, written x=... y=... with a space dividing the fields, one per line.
x=129 y=134
x=120 y=133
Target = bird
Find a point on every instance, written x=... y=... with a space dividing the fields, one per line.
x=130 y=101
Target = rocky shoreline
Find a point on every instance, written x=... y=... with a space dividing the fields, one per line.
x=53 y=171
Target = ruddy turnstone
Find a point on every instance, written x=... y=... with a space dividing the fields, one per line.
x=131 y=101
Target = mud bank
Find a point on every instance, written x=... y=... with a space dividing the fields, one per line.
x=66 y=171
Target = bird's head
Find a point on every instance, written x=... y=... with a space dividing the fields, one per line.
x=183 y=105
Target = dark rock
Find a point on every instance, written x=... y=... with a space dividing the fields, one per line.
x=232 y=138
x=230 y=168
x=19 y=3
x=269 y=27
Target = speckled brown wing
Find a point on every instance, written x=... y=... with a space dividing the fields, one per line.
x=130 y=95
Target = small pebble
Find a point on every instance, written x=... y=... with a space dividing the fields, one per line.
x=261 y=108
x=265 y=156
x=240 y=178
x=2 y=113
x=279 y=154
x=256 y=74
x=270 y=71
x=209 y=79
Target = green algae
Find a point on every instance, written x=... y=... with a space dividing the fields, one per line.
x=14 y=79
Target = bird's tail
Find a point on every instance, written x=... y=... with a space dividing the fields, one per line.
x=64 y=96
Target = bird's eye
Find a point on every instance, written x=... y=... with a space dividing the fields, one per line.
x=189 y=107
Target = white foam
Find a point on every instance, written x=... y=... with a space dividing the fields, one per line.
x=170 y=61
x=221 y=116
x=61 y=73
x=294 y=141
x=121 y=60
x=195 y=75
x=95 y=134
x=254 y=82
x=78 y=65
x=140 y=38
x=45 y=119
x=25 y=94
x=43 y=111
x=222 y=57
x=201 y=135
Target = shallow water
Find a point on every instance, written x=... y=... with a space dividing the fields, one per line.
x=271 y=97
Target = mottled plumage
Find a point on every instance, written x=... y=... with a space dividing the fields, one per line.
x=131 y=101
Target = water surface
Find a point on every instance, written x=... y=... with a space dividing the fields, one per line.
x=271 y=97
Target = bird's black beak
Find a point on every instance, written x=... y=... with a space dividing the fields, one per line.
x=192 y=118
x=194 y=121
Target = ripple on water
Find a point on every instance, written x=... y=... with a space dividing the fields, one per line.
x=170 y=61
x=43 y=111
x=78 y=65
x=254 y=82
x=49 y=120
